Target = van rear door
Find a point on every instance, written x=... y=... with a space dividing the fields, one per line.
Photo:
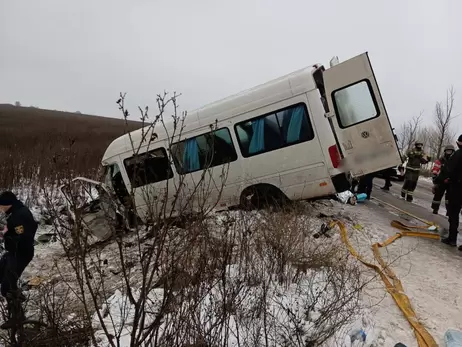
x=359 y=117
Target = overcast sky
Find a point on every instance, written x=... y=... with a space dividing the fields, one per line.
x=78 y=55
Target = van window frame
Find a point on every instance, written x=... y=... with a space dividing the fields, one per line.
x=178 y=166
x=307 y=115
x=112 y=187
x=374 y=100
x=169 y=168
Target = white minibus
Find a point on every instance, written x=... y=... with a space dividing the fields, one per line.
x=301 y=136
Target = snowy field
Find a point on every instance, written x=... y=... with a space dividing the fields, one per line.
x=430 y=275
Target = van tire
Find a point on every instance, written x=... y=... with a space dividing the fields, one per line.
x=262 y=195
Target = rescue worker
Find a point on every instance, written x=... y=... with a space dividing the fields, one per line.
x=439 y=173
x=365 y=185
x=454 y=194
x=19 y=245
x=415 y=158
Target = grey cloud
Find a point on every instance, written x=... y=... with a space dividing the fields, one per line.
x=79 y=55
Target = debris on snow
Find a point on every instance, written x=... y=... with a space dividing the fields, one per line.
x=437 y=303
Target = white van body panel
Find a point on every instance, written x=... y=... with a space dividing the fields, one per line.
x=241 y=103
x=359 y=117
x=301 y=171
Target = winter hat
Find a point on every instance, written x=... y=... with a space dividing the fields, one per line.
x=7 y=198
x=459 y=141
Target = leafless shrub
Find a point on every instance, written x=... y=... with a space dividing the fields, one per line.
x=64 y=324
x=197 y=278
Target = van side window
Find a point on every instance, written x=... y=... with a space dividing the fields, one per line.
x=149 y=167
x=276 y=130
x=355 y=104
x=204 y=151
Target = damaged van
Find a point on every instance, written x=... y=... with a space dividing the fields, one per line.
x=300 y=136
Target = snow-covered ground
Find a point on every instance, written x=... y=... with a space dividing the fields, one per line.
x=426 y=179
x=430 y=275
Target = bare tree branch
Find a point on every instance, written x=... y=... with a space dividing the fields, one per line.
x=409 y=131
x=442 y=123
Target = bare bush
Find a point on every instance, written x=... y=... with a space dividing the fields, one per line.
x=65 y=325
x=197 y=278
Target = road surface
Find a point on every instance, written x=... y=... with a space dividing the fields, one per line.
x=421 y=207
x=428 y=269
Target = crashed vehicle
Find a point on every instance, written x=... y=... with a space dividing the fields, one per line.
x=100 y=212
x=297 y=137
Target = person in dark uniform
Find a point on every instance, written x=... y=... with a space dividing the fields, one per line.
x=415 y=158
x=19 y=245
x=365 y=184
x=387 y=173
x=439 y=173
x=454 y=194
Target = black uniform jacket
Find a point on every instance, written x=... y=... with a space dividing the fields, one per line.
x=21 y=225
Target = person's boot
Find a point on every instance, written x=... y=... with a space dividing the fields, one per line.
x=449 y=242
x=460 y=248
x=435 y=211
x=403 y=195
x=409 y=199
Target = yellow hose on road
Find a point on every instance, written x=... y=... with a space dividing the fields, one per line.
x=391 y=281
x=409 y=228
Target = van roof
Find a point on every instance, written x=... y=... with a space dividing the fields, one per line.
x=295 y=83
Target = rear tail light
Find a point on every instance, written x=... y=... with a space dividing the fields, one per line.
x=334 y=156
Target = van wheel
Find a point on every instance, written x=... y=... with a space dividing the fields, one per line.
x=249 y=199
x=262 y=196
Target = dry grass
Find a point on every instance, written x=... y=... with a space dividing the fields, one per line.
x=45 y=145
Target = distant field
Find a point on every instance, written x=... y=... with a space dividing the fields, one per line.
x=37 y=144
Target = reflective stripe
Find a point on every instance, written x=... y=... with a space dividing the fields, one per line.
x=436 y=202
x=413 y=168
x=436 y=168
x=410 y=193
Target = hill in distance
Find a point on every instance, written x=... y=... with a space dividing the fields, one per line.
x=37 y=140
